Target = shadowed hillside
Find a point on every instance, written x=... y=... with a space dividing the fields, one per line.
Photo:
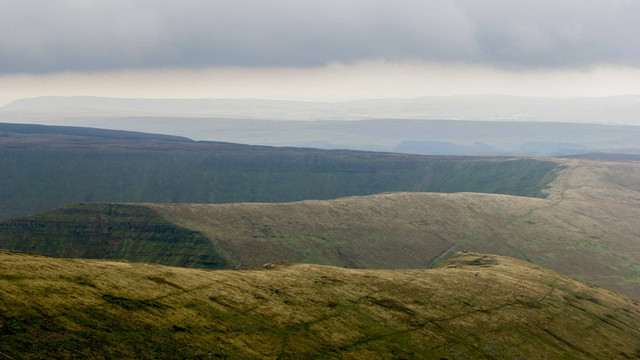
x=473 y=306
x=111 y=231
x=46 y=167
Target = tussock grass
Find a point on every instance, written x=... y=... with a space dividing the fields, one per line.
x=472 y=306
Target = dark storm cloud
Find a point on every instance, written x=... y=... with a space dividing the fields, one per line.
x=48 y=36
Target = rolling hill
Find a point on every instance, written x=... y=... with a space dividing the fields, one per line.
x=46 y=167
x=585 y=228
x=472 y=306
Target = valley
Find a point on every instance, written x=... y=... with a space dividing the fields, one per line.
x=328 y=180
x=586 y=228
x=413 y=256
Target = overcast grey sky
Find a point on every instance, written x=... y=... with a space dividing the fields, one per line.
x=519 y=37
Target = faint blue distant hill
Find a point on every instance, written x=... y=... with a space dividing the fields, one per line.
x=457 y=125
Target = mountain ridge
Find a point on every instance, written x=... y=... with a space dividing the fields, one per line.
x=50 y=169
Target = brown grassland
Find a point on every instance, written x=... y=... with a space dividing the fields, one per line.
x=471 y=306
x=588 y=227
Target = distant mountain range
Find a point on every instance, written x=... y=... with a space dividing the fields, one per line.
x=459 y=125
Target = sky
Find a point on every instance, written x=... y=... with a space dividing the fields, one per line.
x=324 y=49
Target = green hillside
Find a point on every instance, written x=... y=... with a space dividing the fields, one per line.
x=110 y=231
x=586 y=228
x=473 y=306
x=47 y=167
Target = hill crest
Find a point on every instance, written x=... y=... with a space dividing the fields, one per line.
x=473 y=306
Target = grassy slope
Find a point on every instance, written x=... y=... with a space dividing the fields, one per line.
x=41 y=171
x=109 y=231
x=587 y=228
x=394 y=230
x=473 y=306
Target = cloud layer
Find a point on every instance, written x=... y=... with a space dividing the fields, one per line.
x=70 y=35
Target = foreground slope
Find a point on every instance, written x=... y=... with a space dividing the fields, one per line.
x=473 y=306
